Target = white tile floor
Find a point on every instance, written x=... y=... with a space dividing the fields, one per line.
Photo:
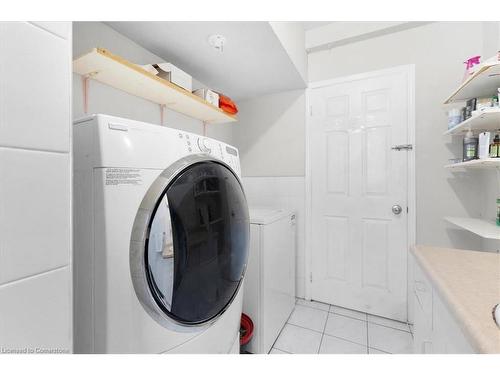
x=316 y=327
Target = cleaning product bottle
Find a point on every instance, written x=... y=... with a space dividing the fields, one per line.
x=470 y=146
x=495 y=147
x=498 y=212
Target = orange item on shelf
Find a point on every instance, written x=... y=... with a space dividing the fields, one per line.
x=227 y=105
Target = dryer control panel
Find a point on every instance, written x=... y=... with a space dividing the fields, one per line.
x=198 y=144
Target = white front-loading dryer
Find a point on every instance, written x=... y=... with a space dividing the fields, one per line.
x=161 y=234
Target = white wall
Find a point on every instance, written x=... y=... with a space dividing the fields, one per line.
x=292 y=37
x=270 y=134
x=108 y=100
x=437 y=50
x=35 y=187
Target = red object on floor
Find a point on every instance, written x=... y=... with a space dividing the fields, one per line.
x=246 y=329
x=227 y=105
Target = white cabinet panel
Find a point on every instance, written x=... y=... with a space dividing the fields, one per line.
x=422 y=294
x=447 y=337
x=34 y=212
x=35 y=90
x=422 y=288
x=36 y=312
x=422 y=335
x=435 y=328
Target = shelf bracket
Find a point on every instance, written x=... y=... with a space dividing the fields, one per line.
x=162 y=114
x=85 y=88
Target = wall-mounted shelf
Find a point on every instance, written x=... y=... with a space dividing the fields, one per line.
x=487 y=121
x=483 y=228
x=484 y=82
x=477 y=163
x=103 y=66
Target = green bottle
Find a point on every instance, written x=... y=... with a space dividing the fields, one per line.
x=498 y=212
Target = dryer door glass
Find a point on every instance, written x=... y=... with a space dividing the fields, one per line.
x=197 y=254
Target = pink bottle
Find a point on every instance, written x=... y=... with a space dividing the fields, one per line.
x=469 y=66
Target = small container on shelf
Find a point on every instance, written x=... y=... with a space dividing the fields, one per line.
x=498 y=212
x=470 y=106
x=454 y=117
x=484 y=144
x=470 y=146
x=495 y=147
x=210 y=96
x=174 y=75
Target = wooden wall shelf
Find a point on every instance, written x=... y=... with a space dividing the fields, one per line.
x=483 y=228
x=103 y=66
x=487 y=121
x=484 y=82
x=476 y=163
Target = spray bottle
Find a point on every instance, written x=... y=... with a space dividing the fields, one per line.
x=469 y=66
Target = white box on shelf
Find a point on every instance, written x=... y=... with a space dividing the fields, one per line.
x=149 y=68
x=175 y=75
x=210 y=96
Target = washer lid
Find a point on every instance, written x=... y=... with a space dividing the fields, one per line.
x=263 y=216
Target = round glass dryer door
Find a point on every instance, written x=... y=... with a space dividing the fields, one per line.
x=196 y=245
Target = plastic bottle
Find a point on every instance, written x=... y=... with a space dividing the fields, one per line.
x=495 y=147
x=498 y=212
x=469 y=66
x=470 y=146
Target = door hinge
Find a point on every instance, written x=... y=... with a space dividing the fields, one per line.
x=310 y=110
x=407 y=210
x=310 y=277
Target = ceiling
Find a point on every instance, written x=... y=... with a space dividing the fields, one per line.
x=253 y=63
x=308 y=25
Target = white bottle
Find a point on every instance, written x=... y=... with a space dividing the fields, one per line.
x=484 y=145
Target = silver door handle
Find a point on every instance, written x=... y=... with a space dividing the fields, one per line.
x=407 y=147
x=396 y=209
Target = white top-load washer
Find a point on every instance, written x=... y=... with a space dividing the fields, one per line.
x=161 y=235
x=269 y=296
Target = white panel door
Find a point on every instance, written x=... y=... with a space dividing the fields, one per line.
x=358 y=245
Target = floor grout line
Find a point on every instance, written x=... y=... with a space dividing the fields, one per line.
x=347 y=316
x=324 y=328
x=380 y=350
x=344 y=339
x=282 y=328
x=397 y=329
x=312 y=307
x=323 y=332
x=281 y=350
x=309 y=329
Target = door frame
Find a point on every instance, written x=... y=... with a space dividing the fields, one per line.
x=409 y=70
